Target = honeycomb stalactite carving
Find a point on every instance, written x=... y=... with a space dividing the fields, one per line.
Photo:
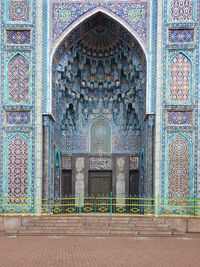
x=18 y=170
x=18 y=79
x=179 y=171
x=100 y=76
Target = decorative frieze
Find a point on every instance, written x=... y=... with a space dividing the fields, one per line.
x=100 y=163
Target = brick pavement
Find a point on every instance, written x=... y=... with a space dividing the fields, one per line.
x=98 y=251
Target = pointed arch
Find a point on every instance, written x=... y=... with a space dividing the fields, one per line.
x=18 y=78
x=181 y=52
x=18 y=134
x=179 y=134
x=78 y=22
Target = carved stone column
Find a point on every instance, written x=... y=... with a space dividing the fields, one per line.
x=79 y=179
x=121 y=177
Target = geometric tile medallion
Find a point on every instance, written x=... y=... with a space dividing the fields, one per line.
x=19 y=10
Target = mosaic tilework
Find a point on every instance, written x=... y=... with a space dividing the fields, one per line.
x=181 y=10
x=18 y=67
x=63 y=14
x=190 y=131
x=18 y=36
x=177 y=121
x=179 y=171
x=77 y=143
x=180 y=74
x=18 y=79
x=181 y=35
x=17 y=117
x=19 y=10
x=18 y=169
x=180 y=117
x=125 y=143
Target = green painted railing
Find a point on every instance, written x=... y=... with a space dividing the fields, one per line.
x=101 y=205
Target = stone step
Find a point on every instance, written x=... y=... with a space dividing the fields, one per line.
x=155 y=233
x=77 y=223
x=52 y=223
x=116 y=227
x=130 y=233
x=113 y=227
x=149 y=228
x=96 y=225
x=145 y=222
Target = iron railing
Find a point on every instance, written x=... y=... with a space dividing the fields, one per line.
x=101 y=205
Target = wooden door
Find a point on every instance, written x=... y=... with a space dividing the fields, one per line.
x=66 y=186
x=100 y=183
x=134 y=183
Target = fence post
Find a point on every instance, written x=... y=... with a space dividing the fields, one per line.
x=111 y=204
x=79 y=208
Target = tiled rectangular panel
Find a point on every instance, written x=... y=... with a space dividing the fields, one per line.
x=179 y=117
x=18 y=37
x=18 y=117
x=181 y=35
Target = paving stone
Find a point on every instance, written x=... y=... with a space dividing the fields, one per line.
x=94 y=251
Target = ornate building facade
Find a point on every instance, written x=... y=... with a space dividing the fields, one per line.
x=99 y=97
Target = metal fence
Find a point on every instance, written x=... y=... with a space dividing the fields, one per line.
x=100 y=205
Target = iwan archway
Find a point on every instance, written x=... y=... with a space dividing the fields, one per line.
x=101 y=129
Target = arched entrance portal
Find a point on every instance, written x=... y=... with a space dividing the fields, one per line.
x=98 y=102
